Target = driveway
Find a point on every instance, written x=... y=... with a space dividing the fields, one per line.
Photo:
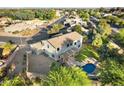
x=39 y=64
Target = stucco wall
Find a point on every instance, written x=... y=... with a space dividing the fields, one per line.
x=51 y=50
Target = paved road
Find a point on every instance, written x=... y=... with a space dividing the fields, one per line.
x=17 y=40
x=38 y=37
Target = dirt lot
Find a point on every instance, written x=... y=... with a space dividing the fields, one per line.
x=27 y=33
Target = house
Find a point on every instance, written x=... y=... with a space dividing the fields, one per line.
x=57 y=46
x=58 y=13
x=115 y=30
x=94 y=19
x=86 y=31
x=106 y=14
x=36 y=48
x=72 y=21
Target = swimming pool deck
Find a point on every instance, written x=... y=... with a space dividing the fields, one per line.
x=71 y=61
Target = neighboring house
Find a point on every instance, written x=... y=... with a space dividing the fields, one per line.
x=58 y=13
x=72 y=21
x=57 y=46
x=91 y=24
x=94 y=19
x=86 y=31
x=105 y=14
x=115 y=30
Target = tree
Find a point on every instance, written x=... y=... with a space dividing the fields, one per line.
x=24 y=15
x=97 y=14
x=104 y=29
x=111 y=73
x=8 y=46
x=66 y=76
x=107 y=53
x=29 y=14
x=97 y=42
x=78 y=29
x=55 y=28
x=50 y=14
x=84 y=14
x=91 y=34
x=119 y=37
x=16 y=81
x=86 y=52
x=3 y=71
x=85 y=38
x=115 y=20
x=45 y=14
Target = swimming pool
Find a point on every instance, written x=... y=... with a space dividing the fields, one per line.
x=89 y=68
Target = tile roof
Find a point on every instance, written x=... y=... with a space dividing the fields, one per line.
x=57 y=42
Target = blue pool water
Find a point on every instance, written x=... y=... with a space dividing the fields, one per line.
x=89 y=68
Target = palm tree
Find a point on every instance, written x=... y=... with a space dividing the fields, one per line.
x=66 y=76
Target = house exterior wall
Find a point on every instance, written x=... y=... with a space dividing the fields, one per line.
x=49 y=50
x=65 y=48
x=53 y=51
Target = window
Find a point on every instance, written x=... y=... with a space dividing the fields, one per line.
x=47 y=46
x=67 y=45
x=53 y=55
x=58 y=49
x=78 y=46
x=75 y=43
